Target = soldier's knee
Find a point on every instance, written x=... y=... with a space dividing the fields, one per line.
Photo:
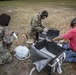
x=6 y=58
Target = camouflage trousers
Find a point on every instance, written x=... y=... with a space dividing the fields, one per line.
x=5 y=57
x=33 y=35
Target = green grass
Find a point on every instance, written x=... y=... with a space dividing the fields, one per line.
x=69 y=3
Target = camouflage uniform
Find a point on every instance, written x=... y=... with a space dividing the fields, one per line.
x=35 y=27
x=5 y=55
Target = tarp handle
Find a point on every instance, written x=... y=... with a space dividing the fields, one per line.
x=32 y=70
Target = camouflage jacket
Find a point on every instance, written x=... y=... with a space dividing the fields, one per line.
x=5 y=38
x=36 y=24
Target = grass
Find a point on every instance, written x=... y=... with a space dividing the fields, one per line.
x=27 y=8
x=70 y=3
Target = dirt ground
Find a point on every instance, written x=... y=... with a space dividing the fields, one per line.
x=59 y=17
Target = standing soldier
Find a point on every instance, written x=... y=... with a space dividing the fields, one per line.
x=36 y=25
x=6 y=39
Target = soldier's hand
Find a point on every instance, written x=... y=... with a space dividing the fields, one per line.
x=46 y=29
x=49 y=40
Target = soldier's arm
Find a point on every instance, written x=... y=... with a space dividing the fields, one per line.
x=37 y=26
x=8 y=37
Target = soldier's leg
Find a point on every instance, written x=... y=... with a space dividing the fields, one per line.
x=10 y=58
x=0 y=61
x=7 y=46
x=6 y=57
x=36 y=36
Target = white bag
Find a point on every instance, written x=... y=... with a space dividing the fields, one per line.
x=22 y=52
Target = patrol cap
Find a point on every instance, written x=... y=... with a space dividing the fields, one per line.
x=44 y=13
